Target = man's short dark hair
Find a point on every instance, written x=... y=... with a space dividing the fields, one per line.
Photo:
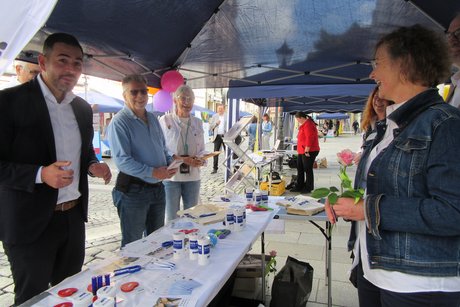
x=60 y=38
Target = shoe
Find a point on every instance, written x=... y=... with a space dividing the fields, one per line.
x=214 y=171
x=305 y=192
x=295 y=190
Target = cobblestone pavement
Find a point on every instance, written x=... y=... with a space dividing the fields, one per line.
x=103 y=231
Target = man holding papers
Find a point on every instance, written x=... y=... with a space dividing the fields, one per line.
x=140 y=153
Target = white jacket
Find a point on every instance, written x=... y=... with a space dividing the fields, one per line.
x=171 y=126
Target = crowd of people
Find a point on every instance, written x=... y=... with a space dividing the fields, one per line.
x=405 y=233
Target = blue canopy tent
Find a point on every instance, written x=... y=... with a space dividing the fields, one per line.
x=102 y=103
x=273 y=48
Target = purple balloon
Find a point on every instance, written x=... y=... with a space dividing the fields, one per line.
x=162 y=101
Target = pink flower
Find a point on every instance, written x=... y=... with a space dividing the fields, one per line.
x=273 y=253
x=346 y=157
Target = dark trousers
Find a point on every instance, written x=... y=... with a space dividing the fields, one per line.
x=305 y=179
x=218 y=143
x=370 y=295
x=57 y=254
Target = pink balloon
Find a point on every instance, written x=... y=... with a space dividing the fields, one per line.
x=162 y=101
x=171 y=80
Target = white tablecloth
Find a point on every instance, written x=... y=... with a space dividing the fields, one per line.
x=225 y=256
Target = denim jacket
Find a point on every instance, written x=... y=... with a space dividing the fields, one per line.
x=413 y=188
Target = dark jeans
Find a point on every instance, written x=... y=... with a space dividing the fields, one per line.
x=370 y=295
x=218 y=143
x=57 y=254
x=141 y=210
x=305 y=179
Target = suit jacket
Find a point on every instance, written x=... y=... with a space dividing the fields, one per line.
x=215 y=127
x=26 y=143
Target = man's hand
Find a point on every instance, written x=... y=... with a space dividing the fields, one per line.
x=101 y=170
x=57 y=175
x=163 y=172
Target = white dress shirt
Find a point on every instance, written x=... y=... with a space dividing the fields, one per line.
x=455 y=100
x=67 y=139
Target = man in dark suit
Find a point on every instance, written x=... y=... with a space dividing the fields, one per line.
x=46 y=153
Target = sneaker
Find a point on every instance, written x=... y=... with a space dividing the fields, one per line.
x=214 y=171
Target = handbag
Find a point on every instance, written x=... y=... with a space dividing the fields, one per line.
x=292 y=285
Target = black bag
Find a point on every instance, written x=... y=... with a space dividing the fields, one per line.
x=292 y=285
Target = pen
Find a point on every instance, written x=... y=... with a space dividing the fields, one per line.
x=207 y=214
x=127 y=270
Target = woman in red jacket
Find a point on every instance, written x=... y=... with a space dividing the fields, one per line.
x=307 y=149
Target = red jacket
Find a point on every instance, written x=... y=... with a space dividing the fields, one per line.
x=307 y=137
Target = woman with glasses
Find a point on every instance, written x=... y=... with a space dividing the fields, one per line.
x=184 y=136
x=408 y=230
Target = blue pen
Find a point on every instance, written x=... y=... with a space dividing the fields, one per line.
x=107 y=279
x=99 y=282
x=127 y=270
x=94 y=285
x=207 y=214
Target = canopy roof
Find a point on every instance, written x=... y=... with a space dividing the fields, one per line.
x=241 y=43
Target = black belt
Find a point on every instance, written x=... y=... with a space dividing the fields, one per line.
x=124 y=181
x=142 y=183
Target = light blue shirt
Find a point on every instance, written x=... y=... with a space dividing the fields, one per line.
x=137 y=148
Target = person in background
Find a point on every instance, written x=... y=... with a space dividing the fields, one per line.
x=252 y=132
x=453 y=40
x=26 y=67
x=139 y=151
x=355 y=127
x=218 y=125
x=374 y=115
x=46 y=154
x=324 y=130
x=184 y=138
x=307 y=149
x=337 y=127
x=408 y=231
x=267 y=128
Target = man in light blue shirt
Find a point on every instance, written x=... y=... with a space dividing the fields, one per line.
x=140 y=153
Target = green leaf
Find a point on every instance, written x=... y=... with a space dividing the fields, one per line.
x=357 y=199
x=333 y=189
x=320 y=193
x=347 y=184
x=333 y=198
x=349 y=194
x=361 y=191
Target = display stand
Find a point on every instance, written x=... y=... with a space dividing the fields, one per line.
x=239 y=179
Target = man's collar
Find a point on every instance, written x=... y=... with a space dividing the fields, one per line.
x=69 y=96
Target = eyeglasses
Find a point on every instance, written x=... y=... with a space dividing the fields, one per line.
x=455 y=34
x=185 y=98
x=134 y=93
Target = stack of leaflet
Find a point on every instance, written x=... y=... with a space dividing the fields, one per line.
x=204 y=214
x=301 y=205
